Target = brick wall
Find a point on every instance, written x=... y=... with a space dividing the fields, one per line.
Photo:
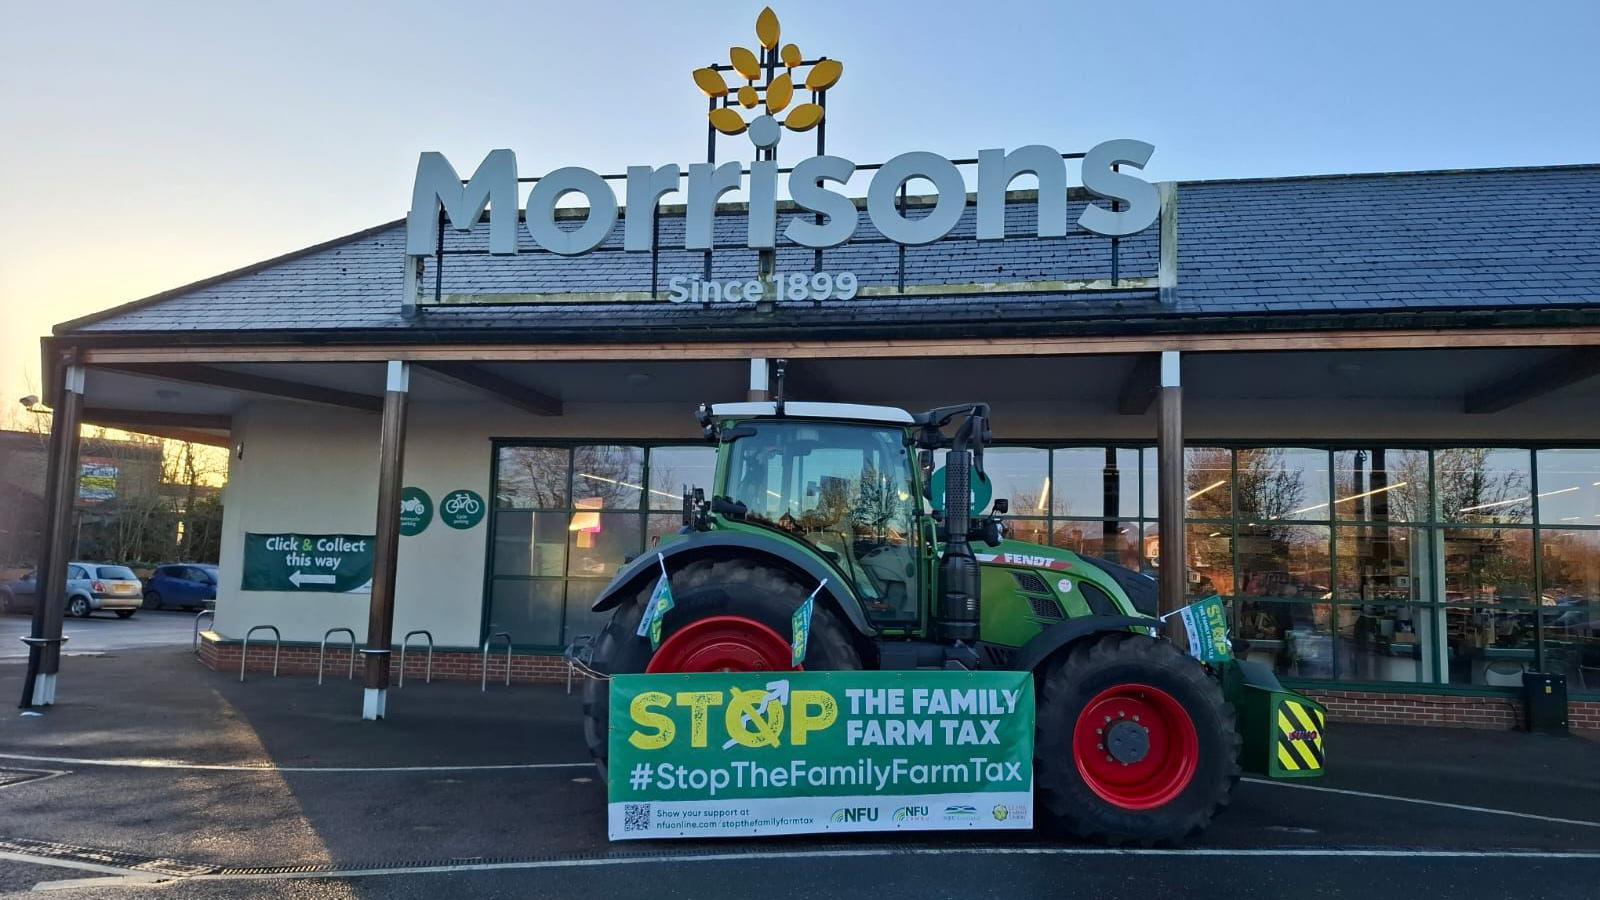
x=1383 y=708
x=452 y=665
x=1458 y=711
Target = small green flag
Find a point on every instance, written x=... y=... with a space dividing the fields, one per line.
x=800 y=627
x=655 y=609
x=1206 y=623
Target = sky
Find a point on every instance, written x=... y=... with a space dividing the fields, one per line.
x=144 y=146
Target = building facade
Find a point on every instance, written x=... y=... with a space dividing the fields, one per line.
x=1389 y=387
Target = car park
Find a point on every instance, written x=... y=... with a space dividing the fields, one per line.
x=90 y=587
x=181 y=586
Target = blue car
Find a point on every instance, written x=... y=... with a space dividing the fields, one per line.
x=181 y=586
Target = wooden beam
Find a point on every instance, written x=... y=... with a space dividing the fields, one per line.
x=1553 y=374
x=131 y=419
x=173 y=426
x=502 y=389
x=211 y=376
x=1140 y=387
x=1230 y=342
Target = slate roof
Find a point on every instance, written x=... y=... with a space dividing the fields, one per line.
x=1324 y=246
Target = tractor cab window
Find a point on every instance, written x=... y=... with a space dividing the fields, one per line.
x=846 y=491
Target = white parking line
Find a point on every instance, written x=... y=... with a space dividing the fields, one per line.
x=1460 y=806
x=881 y=852
x=131 y=763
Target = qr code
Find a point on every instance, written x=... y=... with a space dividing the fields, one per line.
x=635 y=817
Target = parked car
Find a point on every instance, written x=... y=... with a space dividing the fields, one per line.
x=181 y=586
x=90 y=586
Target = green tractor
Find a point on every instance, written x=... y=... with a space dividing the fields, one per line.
x=1137 y=740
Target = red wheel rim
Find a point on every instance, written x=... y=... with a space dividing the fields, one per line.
x=1136 y=746
x=722 y=644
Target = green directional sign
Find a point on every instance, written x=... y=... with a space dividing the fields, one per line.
x=416 y=511
x=308 y=563
x=461 y=508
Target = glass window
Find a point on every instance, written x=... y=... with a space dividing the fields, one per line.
x=1570 y=565
x=1288 y=562
x=1378 y=484
x=1210 y=550
x=1294 y=638
x=530 y=543
x=1489 y=647
x=1488 y=565
x=532 y=478
x=1117 y=541
x=1382 y=563
x=529 y=610
x=659 y=526
x=581 y=594
x=1034 y=531
x=1095 y=481
x=1569 y=487
x=1382 y=642
x=675 y=470
x=115 y=573
x=607 y=477
x=1488 y=486
x=1209 y=471
x=1282 y=483
x=1021 y=475
x=600 y=543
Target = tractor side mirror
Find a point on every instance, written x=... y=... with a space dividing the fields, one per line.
x=1002 y=506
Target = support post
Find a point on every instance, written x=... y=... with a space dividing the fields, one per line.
x=758 y=380
x=1167 y=267
x=61 y=481
x=380 y=615
x=1174 y=581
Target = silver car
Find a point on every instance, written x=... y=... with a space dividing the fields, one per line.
x=90 y=586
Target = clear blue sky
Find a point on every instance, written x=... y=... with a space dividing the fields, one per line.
x=146 y=145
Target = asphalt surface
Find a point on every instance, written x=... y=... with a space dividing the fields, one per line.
x=103 y=631
x=539 y=831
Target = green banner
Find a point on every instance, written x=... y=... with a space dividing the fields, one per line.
x=1206 y=623
x=739 y=754
x=308 y=563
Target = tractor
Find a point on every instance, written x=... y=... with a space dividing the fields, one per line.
x=1137 y=741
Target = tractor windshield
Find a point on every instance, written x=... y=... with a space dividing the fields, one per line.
x=845 y=490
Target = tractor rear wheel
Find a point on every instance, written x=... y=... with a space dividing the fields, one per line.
x=1135 y=742
x=728 y=615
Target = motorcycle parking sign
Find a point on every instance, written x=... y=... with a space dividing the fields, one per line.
x=416 y=511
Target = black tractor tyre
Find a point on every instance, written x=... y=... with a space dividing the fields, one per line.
x=700 y=589
x=1071 y=682
x=152 y=599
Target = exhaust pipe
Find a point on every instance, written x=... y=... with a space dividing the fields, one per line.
x=959 y=575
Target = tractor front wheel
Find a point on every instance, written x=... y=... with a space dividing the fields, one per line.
x=1135 y=742
x=728 y=615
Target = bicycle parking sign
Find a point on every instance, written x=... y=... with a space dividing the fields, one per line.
x=461 y=509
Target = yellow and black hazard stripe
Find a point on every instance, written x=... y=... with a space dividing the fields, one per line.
x=1300 y=736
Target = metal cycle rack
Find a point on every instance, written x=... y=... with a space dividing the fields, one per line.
x=406 y=640
x=277 y=646
x=323 y=651
x=580 y=650
x=484 y=665
x=198 y=616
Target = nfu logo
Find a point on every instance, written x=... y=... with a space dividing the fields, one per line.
x=910 y=812
x=856 y=814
